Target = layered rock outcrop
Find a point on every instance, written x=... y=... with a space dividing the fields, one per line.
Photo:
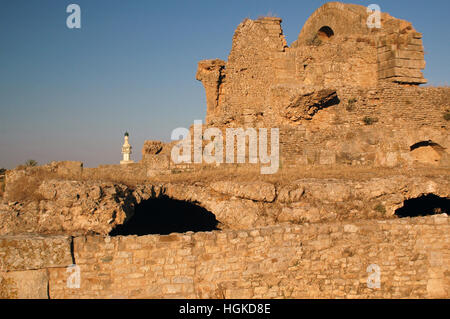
x=335 y=48
x=85 y=207
x=69 y=207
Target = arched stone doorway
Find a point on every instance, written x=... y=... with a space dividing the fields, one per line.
x=325 y=33
x=164 y=215
x=427 y=152
x=424 y=205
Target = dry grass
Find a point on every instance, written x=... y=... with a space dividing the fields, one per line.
x=22 y=189
x=285 y=175
x=269 y=14
x=315 y=41
x=25 y=187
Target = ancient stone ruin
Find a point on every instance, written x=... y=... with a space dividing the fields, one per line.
x=363 y=180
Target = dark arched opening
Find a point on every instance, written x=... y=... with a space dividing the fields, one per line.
x=423 y=206
x=165 y=215
x=325 y=33
x=424 y=144
x=427 y=152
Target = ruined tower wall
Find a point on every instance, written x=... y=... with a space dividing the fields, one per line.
x=367 y=126
x=250 y=70
x=399 y=48
x=261 y=68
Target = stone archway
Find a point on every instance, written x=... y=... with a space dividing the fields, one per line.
x=164 y=215
x=427 y=152
x=325 y=33
x=424 y=205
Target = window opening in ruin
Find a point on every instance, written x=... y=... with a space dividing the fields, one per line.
x=165 y=215
x=427 y=152
x=325 y=33
x=424 y=205
x=423 y=144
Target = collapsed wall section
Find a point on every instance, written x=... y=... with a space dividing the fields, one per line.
x=398 y=47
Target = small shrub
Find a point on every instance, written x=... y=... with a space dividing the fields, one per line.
x=2 y=187
x=31 y=163
x=269 y=14
x=370 y=120
x=337 y=120
x=315 y=41
x=350 y=104
x=380 y=208
x=447 y=115
x=25 y=188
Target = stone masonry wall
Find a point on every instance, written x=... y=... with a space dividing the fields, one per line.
x=24 y=264
x=308 y=261
x=402 y=117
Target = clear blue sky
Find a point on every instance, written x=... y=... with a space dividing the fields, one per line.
x=71 y=94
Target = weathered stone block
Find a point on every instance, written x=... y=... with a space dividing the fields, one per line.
x=34 y=252
x=258 y=191
x=413 y=55
x=327 y=157
x=29 y=284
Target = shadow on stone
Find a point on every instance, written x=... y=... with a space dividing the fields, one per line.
x=164 y=215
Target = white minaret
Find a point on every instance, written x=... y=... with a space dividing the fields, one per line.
x=126 y=150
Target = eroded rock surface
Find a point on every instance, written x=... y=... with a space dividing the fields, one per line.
x=301 y=102
x=26 y=252
x=69 y=207
x=257 y=191
x=75 y=207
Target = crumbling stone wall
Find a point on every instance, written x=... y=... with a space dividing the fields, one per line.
x=342 y=93
x=402 y=116
x=287 y=261
x=353 y=55
x=398 y=47
x=338 y=78
x=352 y=126
x=93 y=207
